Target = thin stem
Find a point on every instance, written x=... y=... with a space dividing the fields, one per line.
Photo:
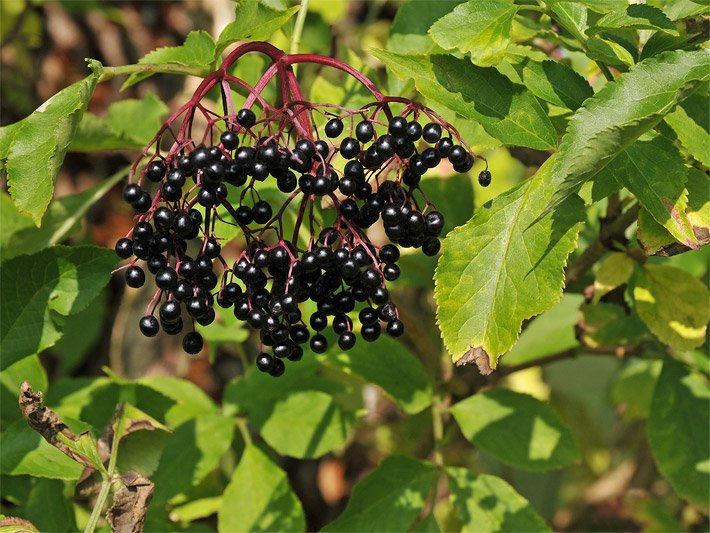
x=169 y=68
x=108 y=477
x=298 y=27
x=437 y=412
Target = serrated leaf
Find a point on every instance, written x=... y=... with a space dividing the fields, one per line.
x=480 y=28
x=388 y=499
x=620 y=113
x=25 y=452
x=614 y=270
x=390 y=365
x=603 y=6
x=678 y=432
x=517 y=429
x=609 y=52
x=37 y=290
x=637 y=17
x=84 y=446
x=494 y=272
x=192 y=451
x=61 y=219
x=38 y=147
x=633 y=388
x=254 y=21
x=654 y=237
x=572 y=16
x=318 y=406
x=197 y=51
x=485 y=503
x=555 y=83
x=259 y=498
x=506 y=111
x=655 y=172
x=680 y=9
x=691 y=123
x=673 y=304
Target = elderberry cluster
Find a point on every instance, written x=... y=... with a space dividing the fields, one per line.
x=365 y=170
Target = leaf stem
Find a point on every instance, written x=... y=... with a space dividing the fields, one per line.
x=108 y=73
x=298 y=29
x=108 y=477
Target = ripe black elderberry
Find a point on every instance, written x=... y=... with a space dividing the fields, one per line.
x=368 y=166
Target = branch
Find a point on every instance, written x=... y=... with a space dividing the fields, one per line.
x=610 y=232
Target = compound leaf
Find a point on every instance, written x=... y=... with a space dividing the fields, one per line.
x=678 y=431
x=259 y=498
x=389 y=499
x=673 y=304
x=517 y=429
x=494 y=272
x=506 y=111
x=480 y=28
x=37 y=290
x=620 y=112
x=485 y=503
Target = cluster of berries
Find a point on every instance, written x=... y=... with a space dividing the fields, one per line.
x=371 y=172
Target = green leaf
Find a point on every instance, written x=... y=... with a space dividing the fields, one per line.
x=24 y=451
x=28 y=369
x=678 y=431
x=609 y=326
x=196 y=509
x=388 y=499
x=524 y=269
x=409 y=33
x=318 y=406
x=550 y=333
x=172 y=400
x=620 y=112
x=129 y=123
x=603 y=6
x=192 y=452
x=673 y=304
x=691 y=123
x=81 y=332
x=259 y=498
x=555 y=83
x=197 y=51
x=613 y=271
x=37 y=290
x=506 y=111
x=486 y=503
x=480 y=28
x=38 y=147
x=680 y=9
x=390 y=365
x=253 y=22
x=609 y=52
x=48 y=508
x=519 y=430
x=60 y=221
x=654 y=171
x=85 y=446
x=572 y=16
x=636 y=17
x=633 y=388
